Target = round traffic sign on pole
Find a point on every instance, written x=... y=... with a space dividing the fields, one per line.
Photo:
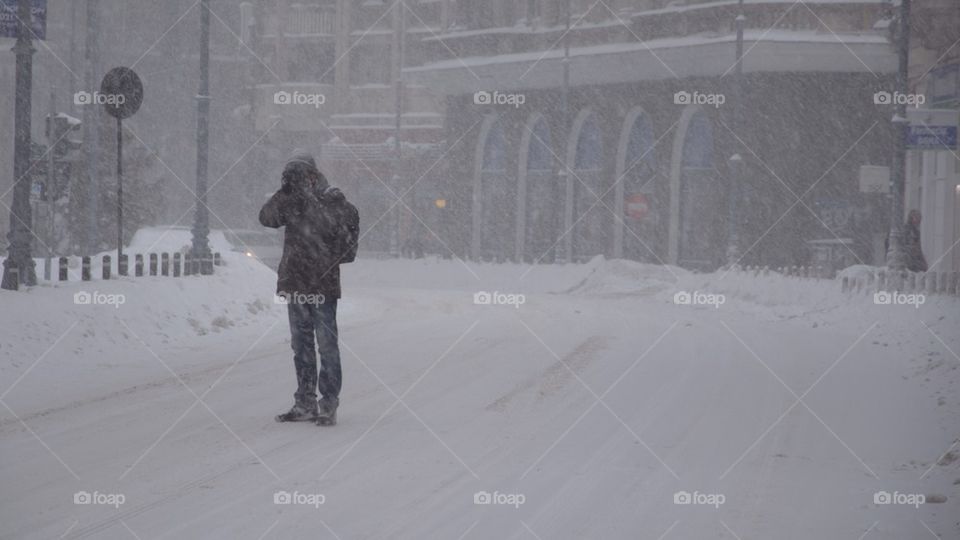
x=122 y=95
x=122 y=91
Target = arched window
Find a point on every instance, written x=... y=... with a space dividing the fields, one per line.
x=589 y=155
x=539 y=157
x=701 y=219
x=698 y=145
x=644 y=200
x=495 y=196
x=495 y=150
x=641 y=160
x=591 y=230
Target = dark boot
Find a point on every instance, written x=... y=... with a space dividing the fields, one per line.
x=298 y=413
x=327 y=411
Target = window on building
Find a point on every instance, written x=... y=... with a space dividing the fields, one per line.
x=589 y=155
x=310 y=62
x=495 y=150
x=641 y=159
x=533 y=10
x=476 y=14
x=539 y=157
x=698 y=147
x=370 y=64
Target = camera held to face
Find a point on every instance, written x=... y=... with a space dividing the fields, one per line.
x=297 y=181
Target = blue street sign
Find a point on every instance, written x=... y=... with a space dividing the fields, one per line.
x=9 y=24
x=932 y=137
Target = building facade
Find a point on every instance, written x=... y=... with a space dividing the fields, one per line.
x=647 y=152
x=376 y=135
x=933 y=176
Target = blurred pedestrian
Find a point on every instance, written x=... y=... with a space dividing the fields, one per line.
x=916 y=262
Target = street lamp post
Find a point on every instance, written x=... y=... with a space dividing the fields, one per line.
x=735 y=168
x=396 y=179
x=736 y=161
x=19 y=266
x=200 y=251
x=91 y=130
x=565 y=180
x=896 y=256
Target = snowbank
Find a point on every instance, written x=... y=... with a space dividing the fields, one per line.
x=82 y=327
x=447 y=274
x=769 y=295
x=173 y=240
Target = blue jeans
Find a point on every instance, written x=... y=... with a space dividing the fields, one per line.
x=307 y=320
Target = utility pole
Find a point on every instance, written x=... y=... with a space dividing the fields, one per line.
x=896 y=256
x=19 y=266
x=51 y=187
x=91 y=128
x=735 y=162
x=200 y=250
x=399 y=24
x=565 y=180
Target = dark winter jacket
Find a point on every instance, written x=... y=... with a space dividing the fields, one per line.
x=309 y=264
x=916 y=262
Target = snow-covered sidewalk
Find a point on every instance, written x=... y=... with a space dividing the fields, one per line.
x=577 y=401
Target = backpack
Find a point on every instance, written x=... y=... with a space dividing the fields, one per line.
x=347 y=219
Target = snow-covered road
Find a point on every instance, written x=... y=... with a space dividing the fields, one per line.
x=587 y=415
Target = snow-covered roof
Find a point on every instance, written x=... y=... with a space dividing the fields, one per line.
x=701 y=55
x=71 y=120
x=722 y=3
x=624 y=16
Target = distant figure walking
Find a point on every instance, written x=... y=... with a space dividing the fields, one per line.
x=916 y=262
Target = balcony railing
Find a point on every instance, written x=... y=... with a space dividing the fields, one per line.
x=311 y=20
x=303 y=20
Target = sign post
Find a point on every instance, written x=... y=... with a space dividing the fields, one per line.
x=122 y=94
x=19 y=266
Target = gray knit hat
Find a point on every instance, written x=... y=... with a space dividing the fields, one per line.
x=302 y=159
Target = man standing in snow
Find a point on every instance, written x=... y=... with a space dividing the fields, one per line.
x=315 y=218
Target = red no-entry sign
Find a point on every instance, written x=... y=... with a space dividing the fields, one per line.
x=637 y=206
